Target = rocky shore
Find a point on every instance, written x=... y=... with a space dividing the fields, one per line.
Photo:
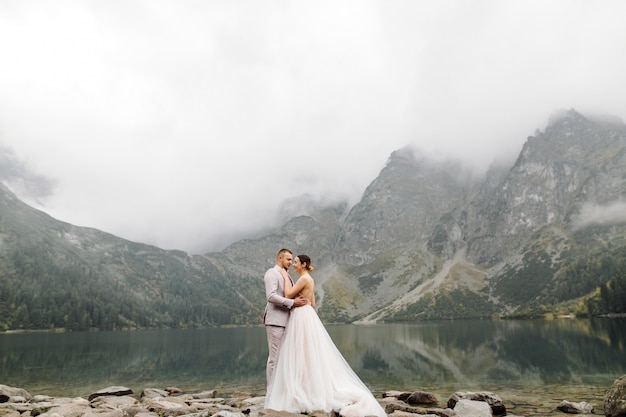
x=119 y=401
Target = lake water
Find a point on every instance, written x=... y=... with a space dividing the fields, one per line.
x=534 y=360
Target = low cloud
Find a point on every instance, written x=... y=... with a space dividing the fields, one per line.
x=190 y=124
x=20 y=179
x=595 y=214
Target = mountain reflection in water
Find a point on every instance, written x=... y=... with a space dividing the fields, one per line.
x=509 y=356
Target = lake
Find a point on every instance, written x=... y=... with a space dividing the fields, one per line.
x=530 y=360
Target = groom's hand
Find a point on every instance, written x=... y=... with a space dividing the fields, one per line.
x=300 y=301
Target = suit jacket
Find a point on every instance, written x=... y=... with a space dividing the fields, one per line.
x=277 y=307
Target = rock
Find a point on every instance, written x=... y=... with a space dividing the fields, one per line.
x=395 y=394
x=153 y=393
x=225 y=413
x=114 y=391
x=7 y=392
x=399 y=413
x=104 y=413
x=7 y=412
x=274 y=413
x=471 y=408
x=170 y=406
x=138 y=411
x=494 y=401
x=615 y=399
x=205 y=394
x=173 y=390
x=402 y=407
x=421 y=398
x=67 y=410
x=403 y=396
x=17 y=399
x=250 y=403
x=241 y=394
x=575 y=408
x=41 y=398
x=113 y=402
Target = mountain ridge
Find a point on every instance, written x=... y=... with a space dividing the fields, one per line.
x=426 y=241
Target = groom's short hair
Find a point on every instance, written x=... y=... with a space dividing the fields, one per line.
x=282 y=251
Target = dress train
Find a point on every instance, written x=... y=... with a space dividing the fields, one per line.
x=311 y=374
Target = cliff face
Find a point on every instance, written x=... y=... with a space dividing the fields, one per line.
x=424 y=232
x=575 y=163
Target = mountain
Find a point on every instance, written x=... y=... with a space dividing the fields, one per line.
x=56 y=275
x=427 y=240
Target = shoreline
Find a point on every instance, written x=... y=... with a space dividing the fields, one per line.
x=528 y=402
x=517 y=403
x=545 y=317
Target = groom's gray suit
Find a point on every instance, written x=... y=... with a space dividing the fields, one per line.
x=276 y=315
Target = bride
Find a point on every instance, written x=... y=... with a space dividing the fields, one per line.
x=311 y=374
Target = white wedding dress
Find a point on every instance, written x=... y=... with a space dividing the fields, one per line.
x=312 y=375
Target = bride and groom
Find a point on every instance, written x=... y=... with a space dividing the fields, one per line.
x=305 y=370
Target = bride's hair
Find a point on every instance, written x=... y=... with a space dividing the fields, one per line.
x=307 y=261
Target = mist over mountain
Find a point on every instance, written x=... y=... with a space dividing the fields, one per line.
x=20 y=179
x=428 y=239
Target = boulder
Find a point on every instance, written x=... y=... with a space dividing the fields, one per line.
x=7 y=412
x=421 y=398
x=67 y=410
x=111 y=402
x=6 y=392
x=471 y=408
x=397 y=407
x=575 y=408
x=170 y=406
x=153 y=393
x=204 y=395
x=394 y=394
x=41 y=398
x=174 y=390
x=494 y=401
x=114 y=391
x=615 y=399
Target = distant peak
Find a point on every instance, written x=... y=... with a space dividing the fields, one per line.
x=572 y=115
x=559 y=116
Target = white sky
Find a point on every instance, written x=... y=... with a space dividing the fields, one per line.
x=186 y=124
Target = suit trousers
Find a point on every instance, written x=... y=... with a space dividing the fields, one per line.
x=274 y=340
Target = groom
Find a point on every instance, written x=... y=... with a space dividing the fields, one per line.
x=277 y=308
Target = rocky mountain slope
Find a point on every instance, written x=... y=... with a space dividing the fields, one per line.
x=427 y=240
x=56 y=275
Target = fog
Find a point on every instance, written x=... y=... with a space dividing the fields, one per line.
x=190 y=124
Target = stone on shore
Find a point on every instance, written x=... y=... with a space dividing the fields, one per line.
x=116 y=391
x=171 y=402
x=421 y=398
x=413 y=398
x=77 y=407
x=395 y=394
x=471 y=408
x=615 y=399
x=205 y=394
x=7 y=393
x=153 y=393
x=575 y=408
x=170 y=406
x=494 y=401
x=400 y=407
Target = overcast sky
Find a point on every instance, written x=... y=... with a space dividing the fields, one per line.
x=187 y=124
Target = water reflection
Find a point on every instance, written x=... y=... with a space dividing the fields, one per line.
x=434 y=355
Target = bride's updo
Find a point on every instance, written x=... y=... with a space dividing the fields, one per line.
x=306 y=261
